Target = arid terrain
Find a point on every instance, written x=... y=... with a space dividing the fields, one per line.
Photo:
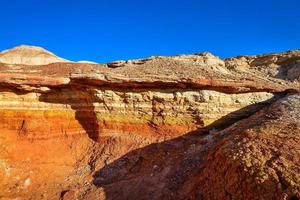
x=178 y=127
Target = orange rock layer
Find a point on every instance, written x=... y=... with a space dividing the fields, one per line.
x=157 y=128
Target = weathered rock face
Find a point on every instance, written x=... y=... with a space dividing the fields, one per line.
x=257 y=158
x=156 y=128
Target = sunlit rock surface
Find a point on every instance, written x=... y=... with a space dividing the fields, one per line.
x=29 y=55
x=181 y=127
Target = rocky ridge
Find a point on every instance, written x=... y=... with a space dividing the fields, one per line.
x=210 y=123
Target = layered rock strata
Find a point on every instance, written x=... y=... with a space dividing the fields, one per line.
x=156 y=128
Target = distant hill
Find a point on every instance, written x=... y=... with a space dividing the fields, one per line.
x=29 y=55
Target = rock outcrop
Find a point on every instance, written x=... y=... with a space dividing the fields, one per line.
x=181 y=127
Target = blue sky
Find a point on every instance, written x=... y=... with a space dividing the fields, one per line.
x=106 y=30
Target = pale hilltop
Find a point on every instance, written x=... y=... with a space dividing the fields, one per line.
x=29 y=55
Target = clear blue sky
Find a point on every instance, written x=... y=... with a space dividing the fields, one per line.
x=106 y=30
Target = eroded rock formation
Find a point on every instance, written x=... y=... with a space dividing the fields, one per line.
x=181 y=127
x=29 y=55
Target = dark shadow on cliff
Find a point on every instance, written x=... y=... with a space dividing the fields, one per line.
x=166 y=170
x=288 y=69
x=82 y=102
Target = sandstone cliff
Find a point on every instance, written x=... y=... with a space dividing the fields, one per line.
x=180 y=127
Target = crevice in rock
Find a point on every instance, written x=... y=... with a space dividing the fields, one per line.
x=63 y=193
x=22 y=130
